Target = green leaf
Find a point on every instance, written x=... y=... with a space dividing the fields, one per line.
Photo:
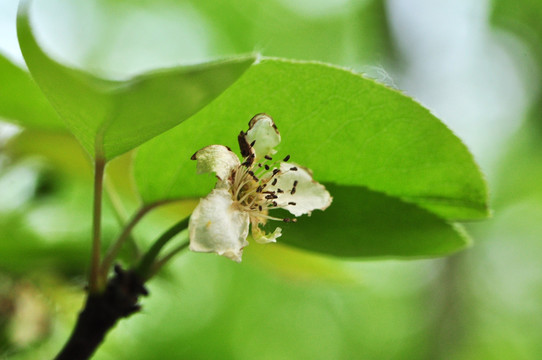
x=348 y=129
x=364 y=223
x=112 y=117
x=22 y=102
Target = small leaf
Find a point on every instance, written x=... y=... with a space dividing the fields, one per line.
x=348 y=129
x=364 y=223
x=21 y=100
x=112 y=117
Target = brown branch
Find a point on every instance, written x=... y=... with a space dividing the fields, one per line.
x=101 y=312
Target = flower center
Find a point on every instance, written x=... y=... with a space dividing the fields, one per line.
x=254 y=187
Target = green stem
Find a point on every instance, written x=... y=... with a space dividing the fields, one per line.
x=94 y=279
x=160 y=263
x=120 y=215
x=117 y=244
x=146 y=264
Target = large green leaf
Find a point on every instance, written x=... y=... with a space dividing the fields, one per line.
x=348 y=129
x=112 y=117
x=364 y=223
x=22 y=101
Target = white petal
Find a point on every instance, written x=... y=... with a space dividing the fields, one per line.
x=263 y=130
x=216 y=225
x=218 y=159
x=309 y=195
x=262 y=237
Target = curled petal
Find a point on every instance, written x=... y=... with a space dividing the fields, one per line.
x=301 y=194
x=263 y=131
x=216 y=158
x=216 y=225
x=262 y=237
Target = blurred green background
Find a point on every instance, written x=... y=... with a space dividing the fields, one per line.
x=475 y=64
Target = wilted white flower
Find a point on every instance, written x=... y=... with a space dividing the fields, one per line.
x=246 y=192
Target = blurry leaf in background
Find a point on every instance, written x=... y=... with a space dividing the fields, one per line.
x=523 y=18
x=44 y=212
x=22 y=249
x=333 y=32
x=48 y=230
x=136 y=34
x=21 y=100
x=347 y=129
x=59 y=150
x=110 y=118
x=520 y=170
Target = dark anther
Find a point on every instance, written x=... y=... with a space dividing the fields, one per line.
x=293 y=168
x=252 y=143
x=260 y=207
x=287 y=220
x=270 y=196
x=286 y=158
x=259 y=189
x=291 y=203
x=280 y=191
x=251 y=172
x=249 y=161
x=275 y=171
x=266 y=167
x=292 y=191
x=274 y=182
x=268 y=157
x=275 y=204
x=259 y=165
x=295 y=183
x=243 y=144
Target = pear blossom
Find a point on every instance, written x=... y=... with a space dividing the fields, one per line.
x=246 y=192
